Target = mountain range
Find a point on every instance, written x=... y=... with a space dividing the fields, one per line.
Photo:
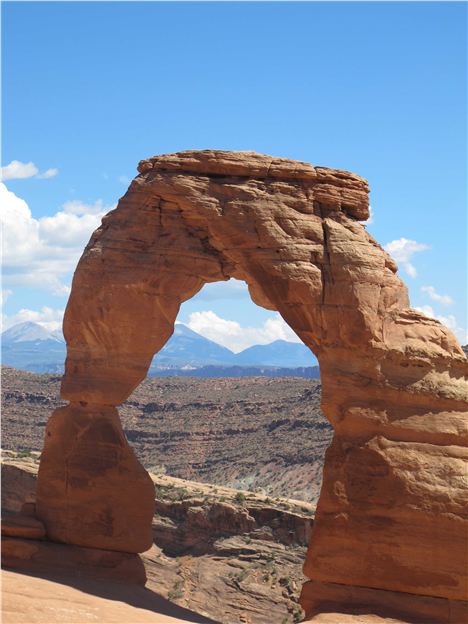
x=30 y=346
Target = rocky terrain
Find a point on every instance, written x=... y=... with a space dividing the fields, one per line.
x=230 y=555
x=257 y=434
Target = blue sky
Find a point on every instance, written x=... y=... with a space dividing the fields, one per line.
x=90 y=88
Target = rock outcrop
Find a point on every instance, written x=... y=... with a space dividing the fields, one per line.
x=391 y=515
x=226 y=554
x=22 y=525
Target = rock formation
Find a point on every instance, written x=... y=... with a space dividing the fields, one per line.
x=391 y=511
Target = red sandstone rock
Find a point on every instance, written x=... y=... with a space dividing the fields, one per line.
x=34 y=557
x=91 y=490
x=18 y=485
x=28 y=509
x=391 y=514
x=17 y=525
x=371 y=605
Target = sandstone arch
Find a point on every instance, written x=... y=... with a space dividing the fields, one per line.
x=390 y=515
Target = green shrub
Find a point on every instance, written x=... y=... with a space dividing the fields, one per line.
x=177 y=591
x=23 y=453
x=240 y=498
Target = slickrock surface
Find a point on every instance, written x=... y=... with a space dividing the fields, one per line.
x=251 y=433
x=36 y=600
x=391 y=514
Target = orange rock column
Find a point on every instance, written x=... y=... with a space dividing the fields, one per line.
x=92 y=491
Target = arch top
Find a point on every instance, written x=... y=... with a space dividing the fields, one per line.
x=203 y=216
x=249 y=164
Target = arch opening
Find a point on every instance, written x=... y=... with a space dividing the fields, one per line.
x=392 y=380
x=268 y=425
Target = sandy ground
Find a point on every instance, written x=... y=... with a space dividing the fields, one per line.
x=34 y=600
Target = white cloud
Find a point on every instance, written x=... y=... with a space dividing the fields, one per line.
x=18 y=170
x=125 y=180
x=402 y=250
x=49 y=173
x=41 y=253
x=232 y=335
x=449 y=321
x=50 y=318
x=78 y=207
x=445 y=300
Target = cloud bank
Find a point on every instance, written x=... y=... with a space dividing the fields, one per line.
x=444 y=300
x=41 y=253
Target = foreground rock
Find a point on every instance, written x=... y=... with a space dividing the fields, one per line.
x=44 y=557
x=52 y=600
x=393 y=381
x=228 y=555
x=18 y=525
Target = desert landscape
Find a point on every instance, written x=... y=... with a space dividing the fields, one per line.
x=234 y=302
x=391 y=385
x=234 y=555
x=252 y=433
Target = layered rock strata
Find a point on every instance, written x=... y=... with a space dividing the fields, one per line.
x=392 y=512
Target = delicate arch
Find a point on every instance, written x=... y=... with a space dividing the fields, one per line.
x=393 y=380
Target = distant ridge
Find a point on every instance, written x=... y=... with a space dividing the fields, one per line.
x=30 y=346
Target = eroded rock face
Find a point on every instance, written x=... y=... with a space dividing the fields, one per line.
x=394 y=384
x=92 y=490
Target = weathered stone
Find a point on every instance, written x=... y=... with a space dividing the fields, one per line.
x=394 y=381
x=28 y=509
x=370 y=605
x=18 y=485
x=42 y=557
x=18 y=525
x=92 y=491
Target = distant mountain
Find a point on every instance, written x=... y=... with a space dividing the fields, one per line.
x=29 y=332
x=188 y=349
x=29 y=346
x=278 y=353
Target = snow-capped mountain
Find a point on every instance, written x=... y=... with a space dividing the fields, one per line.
x=30 y=346
x=30 y=332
